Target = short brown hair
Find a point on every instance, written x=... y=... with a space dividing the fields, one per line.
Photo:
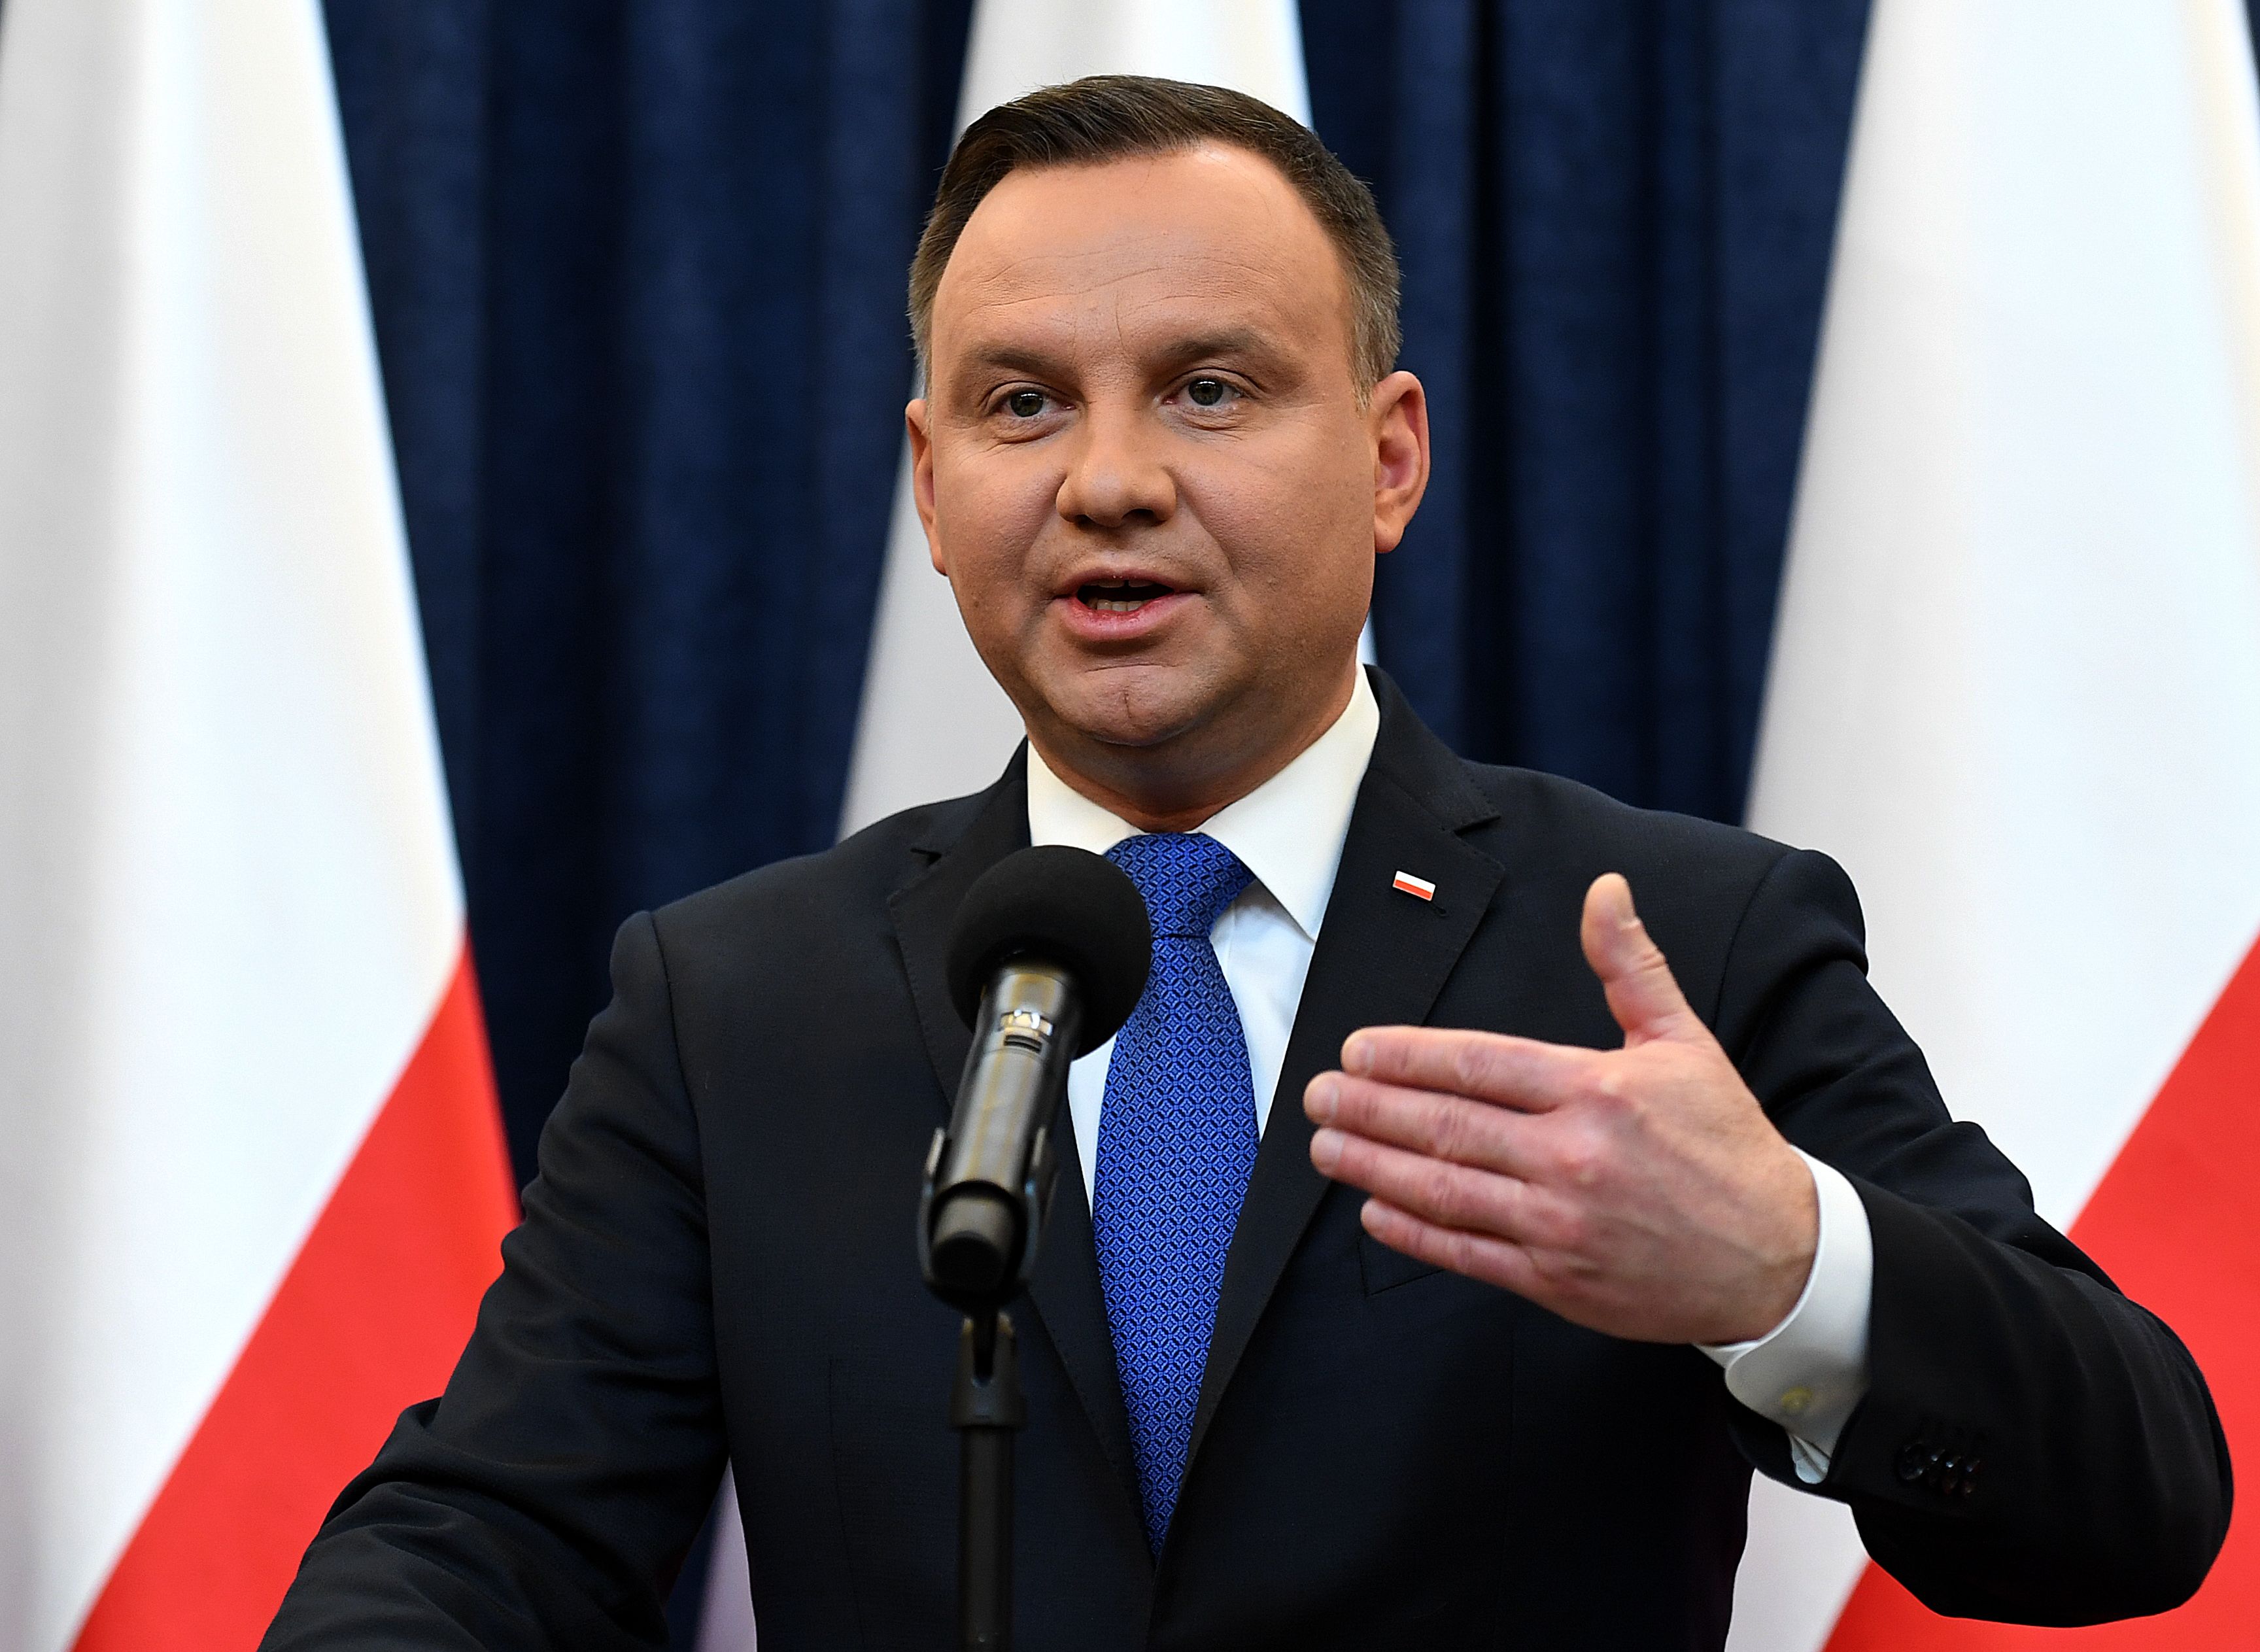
x=1113 y=117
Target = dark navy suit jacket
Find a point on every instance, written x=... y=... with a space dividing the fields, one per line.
x=717 y=1261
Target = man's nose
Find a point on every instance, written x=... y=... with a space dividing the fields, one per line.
x=1115 y=475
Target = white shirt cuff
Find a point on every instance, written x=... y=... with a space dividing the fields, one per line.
x=1809 y=1371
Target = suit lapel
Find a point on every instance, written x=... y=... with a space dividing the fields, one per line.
x=1065 y=1290
x=924 y=908
x=1067 y=1293
x=1382 y=956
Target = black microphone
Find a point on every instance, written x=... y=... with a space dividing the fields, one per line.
x=1046 y=960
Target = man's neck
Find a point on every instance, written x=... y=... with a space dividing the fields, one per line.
x=1152 y=791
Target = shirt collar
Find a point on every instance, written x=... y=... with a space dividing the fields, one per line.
x=1288 y=831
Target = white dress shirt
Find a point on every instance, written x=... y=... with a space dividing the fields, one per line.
x=1807 y=1373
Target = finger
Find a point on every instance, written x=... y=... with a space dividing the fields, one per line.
x=1644 y=994
x=1496 y=1262
x=1521 y=1073
x=1444 y=1127
x=1448 y=1195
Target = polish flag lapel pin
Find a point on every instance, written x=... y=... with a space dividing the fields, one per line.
x=1412 y=885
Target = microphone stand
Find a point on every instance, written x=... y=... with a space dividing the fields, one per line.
x=988 y=1409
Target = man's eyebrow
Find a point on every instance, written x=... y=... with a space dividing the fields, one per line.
x=1001 y=357
x=1221 y=342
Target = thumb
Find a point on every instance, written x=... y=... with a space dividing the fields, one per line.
x=1643 y=995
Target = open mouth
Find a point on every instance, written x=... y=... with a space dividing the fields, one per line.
x=1120 y=595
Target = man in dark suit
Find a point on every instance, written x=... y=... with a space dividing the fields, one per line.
x=1635 y=1226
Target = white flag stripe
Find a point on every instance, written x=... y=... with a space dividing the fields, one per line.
x=230 y=903
x=933 y=722
x=2016 y=678
x=1252 y=45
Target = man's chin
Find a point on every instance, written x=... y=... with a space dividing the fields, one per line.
x=1133 y=707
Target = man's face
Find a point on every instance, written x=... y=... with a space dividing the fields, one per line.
x=1144 y=466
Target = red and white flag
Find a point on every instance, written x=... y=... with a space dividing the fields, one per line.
x=252 y=1177
x=2016 y=678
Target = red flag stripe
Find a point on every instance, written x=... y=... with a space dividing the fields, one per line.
x=2174 y=1224
x=369 y=1319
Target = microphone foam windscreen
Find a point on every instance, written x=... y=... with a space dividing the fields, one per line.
x=1068 y=907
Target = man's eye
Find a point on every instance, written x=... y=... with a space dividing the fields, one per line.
x=1207 y=392
x=1025 y=404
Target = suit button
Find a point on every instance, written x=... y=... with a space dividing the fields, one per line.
x=1912 y=1461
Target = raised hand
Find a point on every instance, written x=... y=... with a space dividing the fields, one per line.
x=1641 y=1191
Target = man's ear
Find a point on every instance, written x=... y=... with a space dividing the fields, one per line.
x=1398 y=418
x=914 y=423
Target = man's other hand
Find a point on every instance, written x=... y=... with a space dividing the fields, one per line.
x=1640 y=1191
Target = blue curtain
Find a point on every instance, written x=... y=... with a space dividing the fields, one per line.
x=1615 y=223
x=637 y=274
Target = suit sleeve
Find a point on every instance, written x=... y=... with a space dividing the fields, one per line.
x=547 y=1499
x=2032 y=1446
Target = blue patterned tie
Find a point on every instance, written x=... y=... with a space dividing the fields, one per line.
x=1177 y=1142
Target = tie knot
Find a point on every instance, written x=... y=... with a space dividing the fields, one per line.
x=1187 y=878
